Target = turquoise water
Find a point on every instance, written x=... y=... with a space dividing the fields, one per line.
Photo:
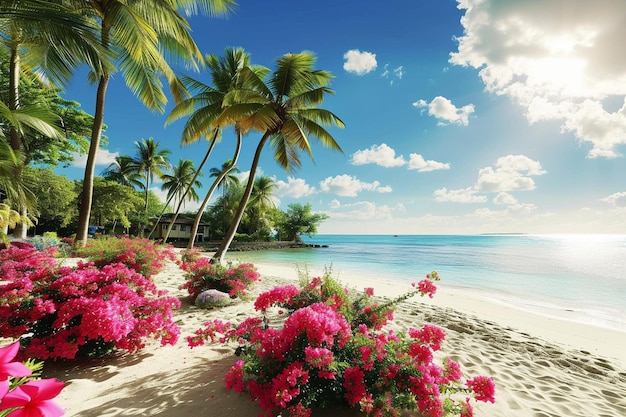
x=579 y=273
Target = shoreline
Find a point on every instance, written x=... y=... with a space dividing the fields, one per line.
x=535 y=375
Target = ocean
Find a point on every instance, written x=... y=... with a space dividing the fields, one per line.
x=582 y=274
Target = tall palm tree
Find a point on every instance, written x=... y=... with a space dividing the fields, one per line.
x=284 y=109
x=207 y=104
x=148 y=162
x=138 y=35
x=48 y=40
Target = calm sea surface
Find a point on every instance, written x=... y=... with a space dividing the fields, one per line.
x=585 y=274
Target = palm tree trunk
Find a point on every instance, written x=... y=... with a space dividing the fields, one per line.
x=220 y=177
x=15 y=139
x=230 y=235
x=96 y=133
x=180 y=203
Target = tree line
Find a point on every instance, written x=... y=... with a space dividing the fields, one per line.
x=44 y=41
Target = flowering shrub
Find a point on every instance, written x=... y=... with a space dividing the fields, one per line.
x=201 y=275
x=332 y=350
x=22 y=393
x=84 y=311
x=143 y=255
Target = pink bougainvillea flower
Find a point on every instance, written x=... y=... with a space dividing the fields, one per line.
x=483 y=387
x=34 y=399
x=8 y=368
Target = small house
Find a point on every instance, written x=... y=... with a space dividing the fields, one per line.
x=181 y=230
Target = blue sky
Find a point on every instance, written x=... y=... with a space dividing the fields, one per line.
x=467 y=116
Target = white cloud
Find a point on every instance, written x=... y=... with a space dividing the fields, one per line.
x=466 y=195
x=556 y=69
x=334 y=204
x=359 y=62
x=511 y=173
x=381 y=155
x=504 y=198
x=349 y=186
x=447 y=113
x=399 y=72
x=420 y=103
x=366 y=210
x=103 y=158
x=294 y=187
x=417 y=161
x=616 y=199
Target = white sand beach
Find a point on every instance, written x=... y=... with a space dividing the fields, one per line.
x=542 y=366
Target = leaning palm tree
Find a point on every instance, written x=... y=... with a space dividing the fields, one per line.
x=138 y=35
x=284 y=109
x=207 y=104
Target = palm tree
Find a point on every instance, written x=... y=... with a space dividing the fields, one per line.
x=261 y=201
x=181 y=184
x=138 y=35
x=230 y=180
x=123 y=171
x=207 y=105
x=148 y=162
x=284 y=109
x=262 y=195
x=14 y=188
x=180 y=180
x=46 y=40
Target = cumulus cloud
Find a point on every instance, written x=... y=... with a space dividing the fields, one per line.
x=349 y=186
x=359 y=62
x=103 y=158
x=417 y=161
x=509 y=173
x=447 y=113
x=367 y=210
x=556 y=69
x=504 y=198
x=616 y=199
x=294 y=187
x=382 y=155
x=466 y=195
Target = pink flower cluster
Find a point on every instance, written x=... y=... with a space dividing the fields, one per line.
x=202 y=275
x=64 y=312
x=142 y=255
x=332 y=349
x=20 y=395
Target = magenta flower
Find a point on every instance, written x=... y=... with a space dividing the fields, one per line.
x=8 y=368
x=34 y=399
